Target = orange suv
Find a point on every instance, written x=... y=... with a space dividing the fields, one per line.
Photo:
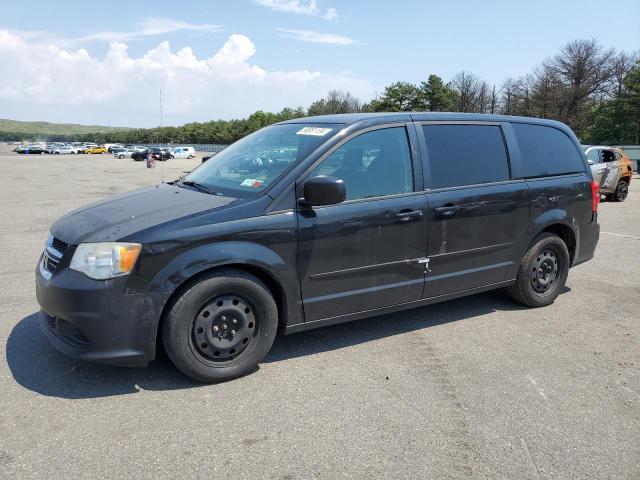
x=612 y=169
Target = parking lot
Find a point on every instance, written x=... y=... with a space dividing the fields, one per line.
x=479 y=387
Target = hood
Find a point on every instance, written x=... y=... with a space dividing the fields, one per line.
x=120 y=216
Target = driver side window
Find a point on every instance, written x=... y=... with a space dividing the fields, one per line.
x=594 y=155
x=374 y=164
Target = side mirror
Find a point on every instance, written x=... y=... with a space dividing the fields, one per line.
x=323 y=190
x=590 y=162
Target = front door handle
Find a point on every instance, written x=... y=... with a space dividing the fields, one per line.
x=446 y=211
x=408 y=215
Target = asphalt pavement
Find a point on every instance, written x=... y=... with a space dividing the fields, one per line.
x=479 y=387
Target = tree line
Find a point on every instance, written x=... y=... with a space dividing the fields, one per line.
x=593 y=89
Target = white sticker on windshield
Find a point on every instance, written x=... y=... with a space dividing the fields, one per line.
x=315 y=131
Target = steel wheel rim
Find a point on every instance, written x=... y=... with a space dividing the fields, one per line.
x=224 y=328
x=544 y=271
x=622 y=191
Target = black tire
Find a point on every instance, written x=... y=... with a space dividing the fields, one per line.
x=197 y=333
x=548 y=255
x=622 y=190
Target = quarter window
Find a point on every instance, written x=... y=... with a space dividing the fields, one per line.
x=374 y=164
x=465 y=155
x=547 y=151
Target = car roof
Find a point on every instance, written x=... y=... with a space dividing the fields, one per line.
x=383 y=117
x=586 y=147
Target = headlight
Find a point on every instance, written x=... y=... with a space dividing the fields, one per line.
x=105 y=260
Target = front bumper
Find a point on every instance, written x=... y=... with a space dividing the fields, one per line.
x=95 y=320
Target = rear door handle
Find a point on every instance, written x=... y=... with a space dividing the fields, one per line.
x=408 y=215
x=446 y=212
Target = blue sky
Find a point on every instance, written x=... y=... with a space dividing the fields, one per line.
x=105 y=62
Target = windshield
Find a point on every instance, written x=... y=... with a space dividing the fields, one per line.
x=253 y=163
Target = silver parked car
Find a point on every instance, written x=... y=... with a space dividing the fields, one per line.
x=612 y=169
x=65 y=150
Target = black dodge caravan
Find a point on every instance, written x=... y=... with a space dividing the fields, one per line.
x=316 y=221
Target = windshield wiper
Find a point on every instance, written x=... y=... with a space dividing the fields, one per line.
x=198 y=186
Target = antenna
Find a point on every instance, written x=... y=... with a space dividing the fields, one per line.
x=161 y=140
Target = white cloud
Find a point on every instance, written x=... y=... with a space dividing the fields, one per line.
x=316 y=37
x=58 y=83
x=150 y=26
x=301 y=7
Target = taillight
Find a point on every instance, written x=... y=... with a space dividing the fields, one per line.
x=595 y=195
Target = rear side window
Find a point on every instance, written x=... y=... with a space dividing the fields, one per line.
x=546 y=151
x=465 y=154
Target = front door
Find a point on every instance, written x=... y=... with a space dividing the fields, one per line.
x=368 y=251
x=475 y=210
x=599 y=169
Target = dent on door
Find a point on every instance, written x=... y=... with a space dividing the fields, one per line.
x=471 y=236
x=610 y=176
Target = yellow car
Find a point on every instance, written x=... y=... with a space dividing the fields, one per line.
x=96 y=150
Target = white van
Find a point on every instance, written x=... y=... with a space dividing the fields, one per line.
x=184 y=152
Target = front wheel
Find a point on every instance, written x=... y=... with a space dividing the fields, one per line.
x=221 y=326
x=543 y=272
x=622 y=190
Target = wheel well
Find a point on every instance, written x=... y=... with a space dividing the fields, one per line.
x=567 y=236
x=626 y=179
x=265 y=277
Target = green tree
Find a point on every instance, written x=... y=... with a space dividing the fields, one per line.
x=438 y=96
x=397 y=97
x=618 y=120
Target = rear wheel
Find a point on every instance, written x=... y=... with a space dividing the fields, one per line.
x=543 y=272
x=220 y=327
x=622 y=190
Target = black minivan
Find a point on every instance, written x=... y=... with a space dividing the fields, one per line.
x=316 y=221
